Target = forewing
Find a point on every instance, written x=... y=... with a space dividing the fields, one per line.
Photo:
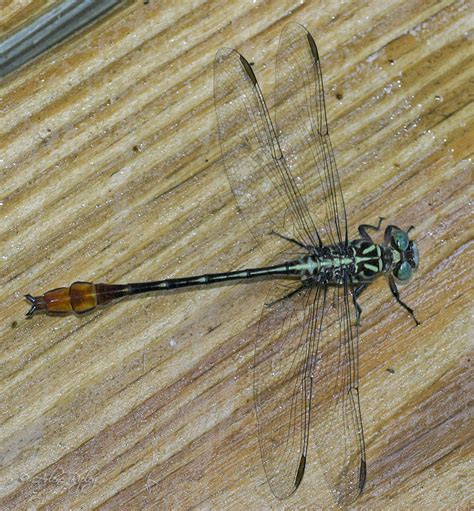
x=302 y=128
x=284 y=354
x=308 y=337
x=265 y=192
x=337 y=422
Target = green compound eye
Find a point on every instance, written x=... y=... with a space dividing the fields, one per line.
x=400 y=239
x=403 y=272
x=415 y=256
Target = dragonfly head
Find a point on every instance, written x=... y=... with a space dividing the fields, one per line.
x=404 y=252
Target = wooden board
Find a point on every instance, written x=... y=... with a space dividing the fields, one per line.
x=15 y=14
x=110 y=172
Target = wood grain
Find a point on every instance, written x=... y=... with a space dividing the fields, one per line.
x=110 y=172
x=13 y=14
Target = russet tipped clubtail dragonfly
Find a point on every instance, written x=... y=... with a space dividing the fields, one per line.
x=286 y=185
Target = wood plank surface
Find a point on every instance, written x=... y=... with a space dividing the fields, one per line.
x=14 y=14
x=110 y=172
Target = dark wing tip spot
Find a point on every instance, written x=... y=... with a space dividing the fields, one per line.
x=312 y=45
x=300 y=473
x=248 y=69
x=362 y=475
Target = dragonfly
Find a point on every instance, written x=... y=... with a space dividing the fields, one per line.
x=284 y=178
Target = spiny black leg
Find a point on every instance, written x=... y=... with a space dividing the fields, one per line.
x=410 y=228
x=289 y=295
x=357 y=292
x=358 y=310
x=394 y=290
x=291 y=240
x=364 y=227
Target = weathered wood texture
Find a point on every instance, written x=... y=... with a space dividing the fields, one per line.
x=14 y=14
x=110 y=172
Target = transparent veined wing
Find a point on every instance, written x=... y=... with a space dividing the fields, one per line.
x=269 y=199
x=335 y=407
x=285 y=352
x=300 y=330
x=306 y=378
x=302 y=128
x=266 y=193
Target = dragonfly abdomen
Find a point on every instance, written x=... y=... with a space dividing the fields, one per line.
x=82 y=297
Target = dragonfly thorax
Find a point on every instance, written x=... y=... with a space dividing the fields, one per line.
x=358 y=261
x=369 y=260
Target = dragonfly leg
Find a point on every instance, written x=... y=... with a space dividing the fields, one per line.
x=289 y=295
x=395 y=293
x=291 y=240
x=357 y=292
x=364 y=227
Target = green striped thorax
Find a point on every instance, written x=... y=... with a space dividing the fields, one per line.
x=397 y=256
x=402 y=255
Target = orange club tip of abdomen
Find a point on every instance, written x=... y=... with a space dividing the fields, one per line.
x=79 y=297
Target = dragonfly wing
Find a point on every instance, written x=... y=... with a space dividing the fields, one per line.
x=266 y=193
x=285 y=349
x=302 y=128
x=306 y=370
x=337 y=424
